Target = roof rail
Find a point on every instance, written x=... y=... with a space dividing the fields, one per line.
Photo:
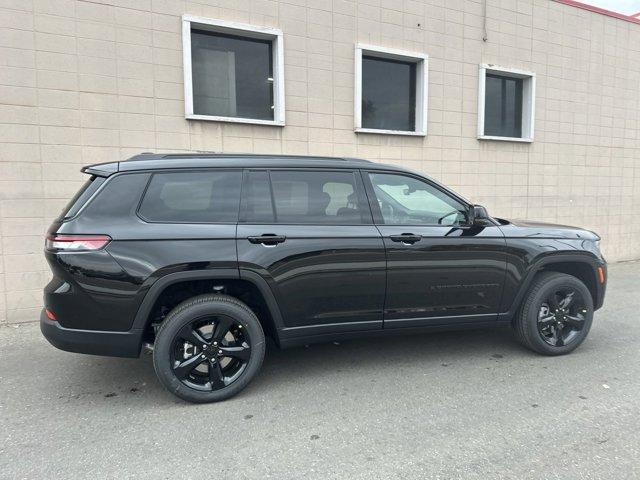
x=158 y=156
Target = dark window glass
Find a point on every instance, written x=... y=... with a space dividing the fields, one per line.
x=118 y=198
x=503 y=106
x=80 y=198
x=232 y=76
x=193 y=197
x=257 y=206
x=408 y=201
x=388 y=94
x=316 y=197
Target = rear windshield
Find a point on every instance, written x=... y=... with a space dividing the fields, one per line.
x=80 y=198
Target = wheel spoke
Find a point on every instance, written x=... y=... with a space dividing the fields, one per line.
x=183 y=369
x=242 y=352
x=553 y=302
x=566 y=300
x=557 y=337
x=222 y=326
x=191 y=335
x=216 y=377
x=546 y=321
x=575 y=322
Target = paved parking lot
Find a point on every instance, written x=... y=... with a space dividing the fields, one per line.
x=446 y=405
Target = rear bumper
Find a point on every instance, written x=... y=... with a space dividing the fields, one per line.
x=93 y=342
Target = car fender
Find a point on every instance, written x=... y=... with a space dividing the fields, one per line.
x=142 y=315
x=545 y=261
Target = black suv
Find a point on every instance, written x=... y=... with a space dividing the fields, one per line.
x=198 y=257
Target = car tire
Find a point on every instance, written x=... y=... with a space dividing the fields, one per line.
x=176 y=344
x=546 y=323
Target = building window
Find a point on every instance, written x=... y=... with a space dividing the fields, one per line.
x=232 y=72
x=506 y=102
x=390 y=91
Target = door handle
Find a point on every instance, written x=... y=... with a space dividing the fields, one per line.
x=267 y=239
x=406 y=238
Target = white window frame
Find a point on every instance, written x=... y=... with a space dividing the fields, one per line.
x=528 y=101
x=422 y=84
x=242 y=30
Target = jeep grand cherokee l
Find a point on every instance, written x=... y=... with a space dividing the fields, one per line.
x=200 y=256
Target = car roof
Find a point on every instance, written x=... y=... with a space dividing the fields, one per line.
x=163 y=161
x=155 y=161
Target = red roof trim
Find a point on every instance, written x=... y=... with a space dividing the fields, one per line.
x=601 y=11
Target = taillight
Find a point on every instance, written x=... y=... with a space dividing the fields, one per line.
x=76 y=243
x=50 y=315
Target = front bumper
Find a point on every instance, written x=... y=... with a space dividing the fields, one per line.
x=93 y=342
x=601 y=287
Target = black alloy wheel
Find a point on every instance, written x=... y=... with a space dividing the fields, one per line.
x=561 y=317
x=208 y=348
x=556 y=314
x=210 y=353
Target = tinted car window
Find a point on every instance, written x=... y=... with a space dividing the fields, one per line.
x=408 y=201
x=193 y=197
x=80 y=198
x=316 y=198
x=257 y=206
x=118 y=198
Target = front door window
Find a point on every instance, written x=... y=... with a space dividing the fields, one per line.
x=405 y=200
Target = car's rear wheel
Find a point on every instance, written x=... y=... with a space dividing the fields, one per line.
x=556 y=314
x=208 y=348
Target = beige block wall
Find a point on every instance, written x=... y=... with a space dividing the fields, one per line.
x=100 y=80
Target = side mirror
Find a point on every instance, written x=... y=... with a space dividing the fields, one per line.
x=478 y=216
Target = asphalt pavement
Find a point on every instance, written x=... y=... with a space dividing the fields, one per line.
x=453 y=405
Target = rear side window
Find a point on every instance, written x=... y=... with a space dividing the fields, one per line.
x=257 y=206
x=319 y=197
x=192 y=197
x=79 y=199
x=117 y=199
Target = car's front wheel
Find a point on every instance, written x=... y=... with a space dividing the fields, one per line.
x=556 y=314
x=208 y=348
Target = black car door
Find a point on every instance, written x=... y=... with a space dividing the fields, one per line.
x=439 y=269
x=310 y=235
